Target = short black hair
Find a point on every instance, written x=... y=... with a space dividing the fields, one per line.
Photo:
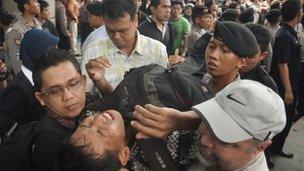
x=73 y=157
x=177 y=2
x=154 y=3
x=247 y=16
x=273 y=16
x=43 y=4
x=21 y=3
x=230 y=15
x=262 y=35
x=233 y=5
x=6 y=18
x=199 y=11
x=209 y=3
x=115 y=9
x=290 y=9
x=52 y=57
x=96 y=8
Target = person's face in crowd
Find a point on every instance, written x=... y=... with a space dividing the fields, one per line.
x=253 y=61
x=176 y=11
x=63 y=90
x=32 y=7
x=226 y=156
x=221 y=61
x=101 y=133
x=188 y=11
x=138 y=4
x=95 y=21
x=205 y=21
x=162 y=11
x=122 y=31
x=45 y=13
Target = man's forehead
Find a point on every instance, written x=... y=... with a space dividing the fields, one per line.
x=59 y=74
x=218 y=41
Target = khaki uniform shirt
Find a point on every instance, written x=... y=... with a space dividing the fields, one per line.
x=13 y=39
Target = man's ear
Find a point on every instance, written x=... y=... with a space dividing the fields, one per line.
x=262 y=146
x=152 y=9
x=124 y=155
x=242 y=62
x=263 y=55
x=40 y=98
x=26 y=6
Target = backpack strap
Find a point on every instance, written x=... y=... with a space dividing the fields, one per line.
x=157 y=154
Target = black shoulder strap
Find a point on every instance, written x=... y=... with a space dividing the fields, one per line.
x=157 y=154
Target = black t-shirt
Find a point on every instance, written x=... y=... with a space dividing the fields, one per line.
x=286 y=49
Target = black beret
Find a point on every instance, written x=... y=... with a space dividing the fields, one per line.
x=96 y=8
x=237 y=37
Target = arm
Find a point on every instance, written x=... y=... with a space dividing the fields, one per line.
x=284 y=75
x=3 y=71
x=13 y=44
x=184 y=47
x=63 y=21
x=96 y=69
x=160 y=122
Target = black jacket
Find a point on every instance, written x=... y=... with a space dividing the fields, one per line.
x=18 y=103
x=48 y=143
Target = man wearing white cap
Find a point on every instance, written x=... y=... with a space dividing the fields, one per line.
x=238 y=124
x=235 y=126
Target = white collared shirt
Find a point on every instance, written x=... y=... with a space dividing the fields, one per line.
x=28 y=74
x=146 y=51
x=98 y=34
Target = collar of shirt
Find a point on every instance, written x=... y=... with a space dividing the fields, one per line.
x=28 y=74
x=138 y=45
x=164 y=28
x=289 y=28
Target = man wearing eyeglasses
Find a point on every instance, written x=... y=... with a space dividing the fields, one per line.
x=60 y=87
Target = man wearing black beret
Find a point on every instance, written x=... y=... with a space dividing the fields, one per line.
x=227 y=52
x=229 y=48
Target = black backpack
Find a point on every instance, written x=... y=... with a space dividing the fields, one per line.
x=155 y=85
x=16 y=147
x=161 y=87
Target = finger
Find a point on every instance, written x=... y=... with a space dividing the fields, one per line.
x=145 y=121
x=93 y=64
x=140 y=111
x=103 y=61
x=141 y=136
x=156 y=110
x=146 y=130
x=176 y=51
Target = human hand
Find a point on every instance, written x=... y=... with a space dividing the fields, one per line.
x=158 y=122
x=96 y=68
x=176 y=58
x=288 y=97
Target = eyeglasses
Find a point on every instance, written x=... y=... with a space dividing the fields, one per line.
x=73 y=86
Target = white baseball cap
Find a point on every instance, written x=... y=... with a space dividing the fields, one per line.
x=244 y=110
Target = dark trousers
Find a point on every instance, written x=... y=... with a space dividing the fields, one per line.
x=279 y=140
x=301 y=90
x=64 y=42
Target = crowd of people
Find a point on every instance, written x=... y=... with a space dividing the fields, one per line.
x=253 y=50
